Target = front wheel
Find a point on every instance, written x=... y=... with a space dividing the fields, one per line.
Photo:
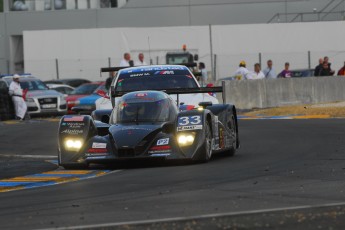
x=207 y=147
x=233 y=131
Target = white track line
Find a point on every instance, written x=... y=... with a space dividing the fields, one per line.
x=30 y=156
x=195 y=217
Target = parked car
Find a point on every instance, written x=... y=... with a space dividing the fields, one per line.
x=302 y=73
x=74 y=82
x=81 y=91
x=85 y=105
x=64 y=89
x=40 y=99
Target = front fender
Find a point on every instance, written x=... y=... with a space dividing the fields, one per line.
x=193 y=122
x=74 y=128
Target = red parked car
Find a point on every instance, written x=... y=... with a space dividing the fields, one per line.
x=81 y=91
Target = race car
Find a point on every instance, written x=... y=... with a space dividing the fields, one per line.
x=156 y=77
x=148 y=125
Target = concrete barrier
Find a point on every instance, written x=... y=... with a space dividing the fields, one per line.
x=266 y=93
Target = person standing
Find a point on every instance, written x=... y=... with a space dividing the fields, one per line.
x=140 y=61
x=318 y=68
x=242 y=72
x=325 y=71
x=341 y=72
x=126 y=61
x=203 y=74
x=286 y=73
x=257 y=73
x=269 y=72
x=326 y=59
x=16 y=92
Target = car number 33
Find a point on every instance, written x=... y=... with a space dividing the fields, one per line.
x=191 y=120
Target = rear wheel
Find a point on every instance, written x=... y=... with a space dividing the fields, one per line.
x=207 y=147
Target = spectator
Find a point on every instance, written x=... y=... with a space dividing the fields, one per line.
x=16 y=92
x=286 y=73
x=269 y=72
x=141 y=60
x=325 y=70
x=126 y=61
x=203 y=72
x=318 y=68
x=326 y=59
x=341 y=72
x=242 y=72
x=257 y=73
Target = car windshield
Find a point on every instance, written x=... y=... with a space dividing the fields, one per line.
x=101 y=87
x=85 y=89
x=33 y=85
x=155 y=80
x=139 y=111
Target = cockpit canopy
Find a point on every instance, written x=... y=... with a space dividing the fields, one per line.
x=145 y=106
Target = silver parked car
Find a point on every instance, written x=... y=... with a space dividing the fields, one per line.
x=39 y=98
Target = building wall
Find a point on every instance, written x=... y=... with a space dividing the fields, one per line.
x=82 y=52
x=155 y=13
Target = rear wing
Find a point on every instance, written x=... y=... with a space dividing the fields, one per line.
x=113 y=69
x=178 y=91
x=116 y=69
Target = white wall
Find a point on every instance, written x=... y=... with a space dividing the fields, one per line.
x=82 y=52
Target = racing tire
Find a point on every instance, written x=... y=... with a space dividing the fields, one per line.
x=207 y=146
x=231 y=152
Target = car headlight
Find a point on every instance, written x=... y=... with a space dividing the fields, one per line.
x=73 y=144
x=29 y=100
x=186 y=139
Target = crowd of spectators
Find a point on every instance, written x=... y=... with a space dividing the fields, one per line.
x=322 y=69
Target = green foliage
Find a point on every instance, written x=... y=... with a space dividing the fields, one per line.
x=1 y=5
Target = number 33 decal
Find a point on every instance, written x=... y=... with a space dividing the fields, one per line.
x=193 y=120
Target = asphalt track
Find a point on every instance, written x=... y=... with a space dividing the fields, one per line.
x=287 y=175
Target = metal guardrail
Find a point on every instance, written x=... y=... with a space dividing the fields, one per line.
x=319 y=16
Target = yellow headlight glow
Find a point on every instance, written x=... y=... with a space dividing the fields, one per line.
x=185 y=139
x=72 y=144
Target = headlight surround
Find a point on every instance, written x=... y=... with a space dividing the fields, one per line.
x=185 y=139
x=29 y=100
x=73 y=144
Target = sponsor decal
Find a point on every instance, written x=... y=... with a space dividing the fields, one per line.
x=96 y=157
x=96 y=145
x=160 y=154
x=75 y=118
x=189 y=120
x=166 y=72
x=139 y=75
x=72 y=131
x=164 y=141
x=135 y=128
x=191 y=127
x=221 y=138
x=165 y=147
x=141 y=94
x=74 y=125
x=97 y=151
x=160 y=149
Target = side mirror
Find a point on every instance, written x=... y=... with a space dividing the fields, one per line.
x=168 y=127
x=102 y=93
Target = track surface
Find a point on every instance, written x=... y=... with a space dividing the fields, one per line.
x=282 y=163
